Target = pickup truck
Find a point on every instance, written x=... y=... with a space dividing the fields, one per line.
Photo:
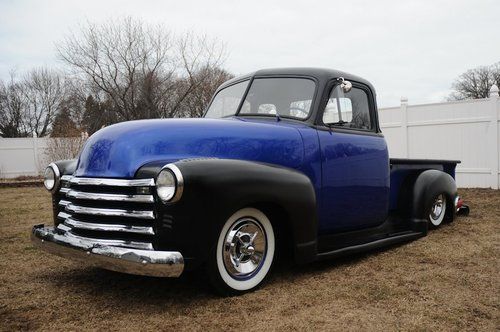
x=284 y=163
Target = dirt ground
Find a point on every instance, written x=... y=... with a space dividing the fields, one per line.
x=449 y=280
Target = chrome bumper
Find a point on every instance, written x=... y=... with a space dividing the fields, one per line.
x=127 y=260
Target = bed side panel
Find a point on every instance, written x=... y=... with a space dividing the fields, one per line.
x=406 y=169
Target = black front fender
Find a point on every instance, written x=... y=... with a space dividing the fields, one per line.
x=67 y=167
x=214 y=189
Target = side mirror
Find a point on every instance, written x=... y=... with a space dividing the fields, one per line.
x=345 y=85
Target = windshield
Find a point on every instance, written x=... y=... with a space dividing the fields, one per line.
x=226 y=102
x=288 y=97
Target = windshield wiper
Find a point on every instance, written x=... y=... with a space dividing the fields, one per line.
x=338 y=123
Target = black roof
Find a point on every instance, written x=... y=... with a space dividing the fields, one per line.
x=320 y=74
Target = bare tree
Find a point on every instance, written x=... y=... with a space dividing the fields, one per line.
x=120 y=70
x=64 y=125
x=43 y=92
x=207 y=81
x=137 y=66
x=201 y=59
x=11 y=109
x=476 y=83
x=60 y=148
x=97 y=114
x=89 y=107
x=75 y=96
x=29 y=105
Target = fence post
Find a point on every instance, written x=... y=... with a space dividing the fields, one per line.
x=404 y=125
x=494 y=136
x=35 y=153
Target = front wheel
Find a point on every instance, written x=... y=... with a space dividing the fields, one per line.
x=438 y=211
x=244 y=253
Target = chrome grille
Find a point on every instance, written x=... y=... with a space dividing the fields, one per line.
x=108 y=211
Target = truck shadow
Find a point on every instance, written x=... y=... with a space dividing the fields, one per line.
x=123 y=291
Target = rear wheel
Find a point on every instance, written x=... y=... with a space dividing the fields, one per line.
x=244 y=252
x=437 y=211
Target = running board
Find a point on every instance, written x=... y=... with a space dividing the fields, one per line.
x=370 y=245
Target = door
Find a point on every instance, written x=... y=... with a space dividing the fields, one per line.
x=355 y=163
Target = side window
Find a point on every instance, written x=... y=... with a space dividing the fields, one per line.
x=348 y=110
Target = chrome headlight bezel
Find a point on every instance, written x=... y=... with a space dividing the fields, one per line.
x=57 y=177
x=178 y=187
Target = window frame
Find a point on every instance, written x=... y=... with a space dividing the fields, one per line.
x=332 y=84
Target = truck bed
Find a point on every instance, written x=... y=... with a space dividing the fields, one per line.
x=402 y=168
x=404 y=161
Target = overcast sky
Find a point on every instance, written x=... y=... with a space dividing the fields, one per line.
x=405 y=48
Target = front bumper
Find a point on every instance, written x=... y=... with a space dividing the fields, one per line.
x=126 y=260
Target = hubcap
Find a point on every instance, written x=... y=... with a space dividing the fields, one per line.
x=437 y=207
x=244 y=248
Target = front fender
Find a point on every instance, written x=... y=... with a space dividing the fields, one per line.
x=215 y=188
x=67 y=166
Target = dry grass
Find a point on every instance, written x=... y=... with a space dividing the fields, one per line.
x=448 y=280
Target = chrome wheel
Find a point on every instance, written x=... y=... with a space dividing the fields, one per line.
x=244 y=253
x=244 y=249
x=438 y=210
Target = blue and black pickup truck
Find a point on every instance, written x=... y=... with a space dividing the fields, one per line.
x=285 y=162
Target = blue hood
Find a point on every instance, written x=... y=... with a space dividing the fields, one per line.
x=118 y=151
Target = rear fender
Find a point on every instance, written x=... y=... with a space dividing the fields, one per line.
x=427 y=186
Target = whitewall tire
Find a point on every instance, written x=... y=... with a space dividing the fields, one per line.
x=438 y=211
x=244 y=252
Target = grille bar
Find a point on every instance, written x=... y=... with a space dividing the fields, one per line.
x=111 y=182
x=63 y=215
x=63 y=227
x=106 y=242
x=109 y=212
x=74 y=223
x=110 y=197
x=63 y=202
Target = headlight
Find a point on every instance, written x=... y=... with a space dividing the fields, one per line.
x=51 y=177
x=169 y=183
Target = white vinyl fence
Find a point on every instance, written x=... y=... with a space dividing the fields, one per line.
x=22 y=156
x=30 y=156
x=464 y=130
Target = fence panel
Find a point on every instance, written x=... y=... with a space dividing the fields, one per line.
x=24 y=156
x=464 y=130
